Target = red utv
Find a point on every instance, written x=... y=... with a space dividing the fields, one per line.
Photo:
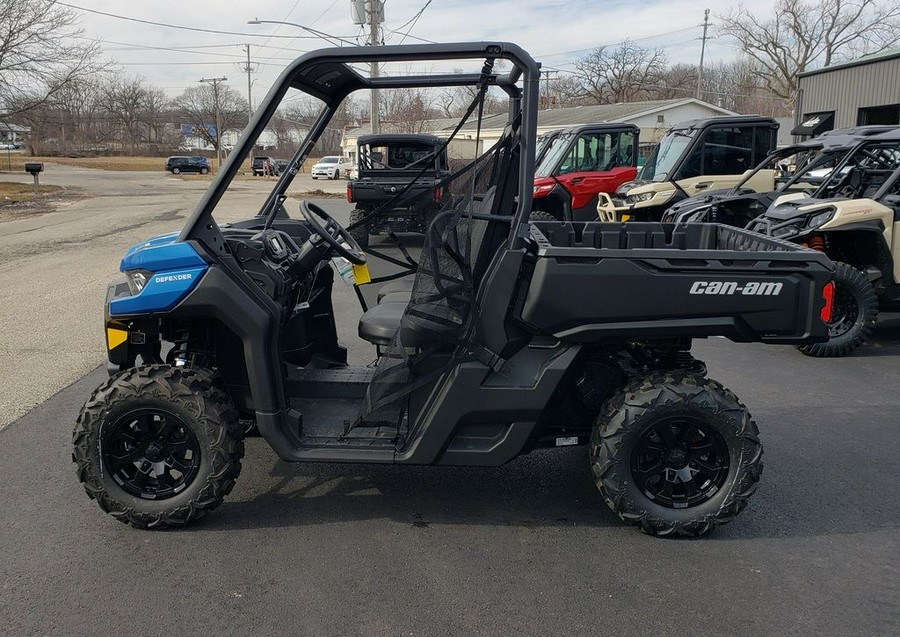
x=576 y=164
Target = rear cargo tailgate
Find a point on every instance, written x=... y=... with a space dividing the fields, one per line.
x=611 y=281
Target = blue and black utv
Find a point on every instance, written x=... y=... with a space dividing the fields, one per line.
x=512 y=336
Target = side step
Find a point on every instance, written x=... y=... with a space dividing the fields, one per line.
x=343 y=382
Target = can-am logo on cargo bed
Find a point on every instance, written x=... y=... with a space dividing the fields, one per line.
x=173 y=277
x=751 y=288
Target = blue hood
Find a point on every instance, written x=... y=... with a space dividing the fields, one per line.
x=161 y=253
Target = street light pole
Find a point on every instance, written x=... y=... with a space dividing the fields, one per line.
x=215 y=81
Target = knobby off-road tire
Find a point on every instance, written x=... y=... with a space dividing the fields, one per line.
x=855 y=312
x=202 y=410
x=540 y=215
x=360 y=233
x=628 y=423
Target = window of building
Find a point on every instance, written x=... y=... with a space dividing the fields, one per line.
x=889 y=114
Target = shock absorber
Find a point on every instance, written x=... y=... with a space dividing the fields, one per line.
x=816 y=242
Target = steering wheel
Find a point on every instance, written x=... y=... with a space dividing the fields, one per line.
x=331 y=232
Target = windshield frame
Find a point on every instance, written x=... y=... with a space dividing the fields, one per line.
x=325 y=74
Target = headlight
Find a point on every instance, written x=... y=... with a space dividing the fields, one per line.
x=820 y=219
x=137 y=279
x=643 y=196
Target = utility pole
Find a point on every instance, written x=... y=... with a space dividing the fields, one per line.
x=374 y=13
x=702 y=53
x=547 y=97
x=248 y=69
x=215 y=81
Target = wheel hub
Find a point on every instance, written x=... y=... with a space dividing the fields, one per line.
x=151 y=453
x=680 y=461
x=677 y=458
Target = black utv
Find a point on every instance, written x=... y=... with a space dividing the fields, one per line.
x=485 y=358
x=398 y=184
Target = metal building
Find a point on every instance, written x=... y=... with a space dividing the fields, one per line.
x=857 y=93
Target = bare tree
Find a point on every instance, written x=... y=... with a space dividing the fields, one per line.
x=125 y=101
x=623 y=73
x=198 y=106
x=41 y=53
x=804 y=34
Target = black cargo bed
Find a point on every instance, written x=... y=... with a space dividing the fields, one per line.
x=595 y=281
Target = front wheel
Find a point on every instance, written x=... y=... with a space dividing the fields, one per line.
x=204 y=171
x=676 y=454
x=853 y=315
x=337 y=174
x=158 y=446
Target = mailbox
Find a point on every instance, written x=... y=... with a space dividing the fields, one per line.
x=34 y=168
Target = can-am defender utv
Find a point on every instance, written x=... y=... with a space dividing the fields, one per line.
x=801 y=167
x=854 y=218
x=694 y=157
x=485 y=359
x=576 y=164
x=388 y=164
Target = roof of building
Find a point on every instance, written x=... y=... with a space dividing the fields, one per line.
x=552 y=118
x=599 y=113
x=872 y=58
x=14 y=128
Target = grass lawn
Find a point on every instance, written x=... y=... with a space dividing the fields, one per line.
x=11 y=193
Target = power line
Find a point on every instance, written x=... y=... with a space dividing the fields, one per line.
x=180 y=26
x=413 y=21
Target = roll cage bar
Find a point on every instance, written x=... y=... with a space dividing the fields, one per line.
x=326 y=75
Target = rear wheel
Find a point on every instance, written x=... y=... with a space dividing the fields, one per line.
x=176 y=170
x=360 y=233
x=158 y=446
x=853 y=316
x=676 y=454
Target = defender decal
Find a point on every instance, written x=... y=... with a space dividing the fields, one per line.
x=751 y=288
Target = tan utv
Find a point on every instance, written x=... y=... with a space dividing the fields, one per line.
x=693 y=158
x=854 y=218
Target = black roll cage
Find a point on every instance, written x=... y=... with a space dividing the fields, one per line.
x=326 y=75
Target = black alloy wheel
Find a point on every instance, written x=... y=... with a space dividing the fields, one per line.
x=150 y=453
x=675 y=453
x=854 y=312
x=680 y=462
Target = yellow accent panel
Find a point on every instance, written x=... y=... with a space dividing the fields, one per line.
x=115 y=337
x=361 y=274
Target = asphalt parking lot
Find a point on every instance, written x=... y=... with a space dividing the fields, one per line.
x=528 y=548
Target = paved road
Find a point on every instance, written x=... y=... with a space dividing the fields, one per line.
x=525 y=549
x=54 y=267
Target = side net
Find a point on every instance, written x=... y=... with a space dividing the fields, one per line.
x=438 y=328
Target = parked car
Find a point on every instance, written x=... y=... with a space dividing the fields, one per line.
x=181 y=164
x=259 y=165
x=330 y=167
x=280 y=165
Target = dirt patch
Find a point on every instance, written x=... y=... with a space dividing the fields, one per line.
x=316 y=194
x=18 y=200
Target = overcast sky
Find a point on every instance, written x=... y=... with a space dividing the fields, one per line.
x=554 y=32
